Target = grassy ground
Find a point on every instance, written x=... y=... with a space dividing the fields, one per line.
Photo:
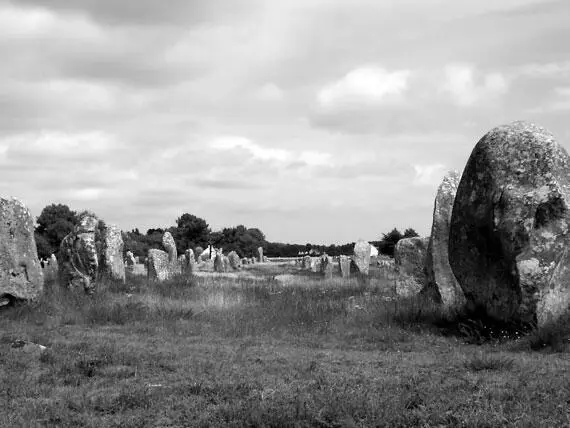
x=240 y=352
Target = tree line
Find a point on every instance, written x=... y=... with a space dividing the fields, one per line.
x=57 y=220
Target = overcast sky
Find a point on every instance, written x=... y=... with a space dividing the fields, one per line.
x=317 y=121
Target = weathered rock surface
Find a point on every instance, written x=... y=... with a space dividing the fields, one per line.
x=79 y=262
x=163 y=265
x=158 y=265
x=440 y=278
x=410 y=257
x=234 y=260
x=170 y=246
x=361 y=257
x=344 y=264
x=509 y=232
x=21 y=275
x=113 y=264
x=326 y=266
x=260 y=255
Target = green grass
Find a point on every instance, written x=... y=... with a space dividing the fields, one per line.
x=237 y=352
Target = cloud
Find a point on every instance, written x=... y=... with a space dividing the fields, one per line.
x=461 y=84
x=257 y=151
x=270 y=92
x=364 y=85
x=305 y=158
x=428 y=175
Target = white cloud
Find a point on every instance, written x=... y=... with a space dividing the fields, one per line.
x=461 y=84
x=270 y=92
x=36 y=22
x=316 y=158
x=544 y=70
x=60 y=145
x=428 y=175
x=257 y=151
x=364 y=85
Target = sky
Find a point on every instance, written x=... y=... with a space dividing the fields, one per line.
x=322 y=121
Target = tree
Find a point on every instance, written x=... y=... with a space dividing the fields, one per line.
x=410 y=233
x=389 y=241
x=54 y=223
x=190 y=231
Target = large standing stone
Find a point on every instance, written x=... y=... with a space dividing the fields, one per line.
x=234 y=260
x=509 y=234
x=113 y=264
x=344 y=264
x=21 y=275
x=260 y=254
x=326 y=266
x=410 y=257
x=79 y=262
x=361 y=257
x=440 y=277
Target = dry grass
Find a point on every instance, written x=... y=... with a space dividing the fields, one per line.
x=232 y=351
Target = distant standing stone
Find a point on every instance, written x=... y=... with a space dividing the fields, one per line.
x=170 y=246
x=219 y=263
x=21 y=274
x=306 y=264
x=158 y=265
x=344 y=264
x=113 y=264
x=361 y=257
x=440 y=278
x=131 y=261
x=410 y=257
x=79 y=262
x=234 y=260
x=260 y=254
x=326 y=267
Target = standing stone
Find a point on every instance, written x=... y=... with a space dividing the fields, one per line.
x=306 y=264
x=234 y=260
x=410 y=257
x=260 y=254
x=361 y=257
x=440 y=277
x=170 y=246
x=197 y=252
x=158 y=265
x=326 y=266
x=163 y=265
x=344 y=264
x=245 y=261
x=219 y=263
x=113 y=264
x=131 y=261
x=79 y=262
x=509 y=235
x=21 y=275
x=226 y=262
x=190 y=262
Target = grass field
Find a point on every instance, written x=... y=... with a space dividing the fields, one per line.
x=252 y=351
